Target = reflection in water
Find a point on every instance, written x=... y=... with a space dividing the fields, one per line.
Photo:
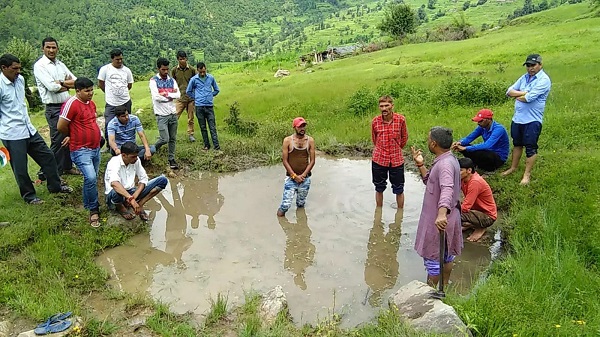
x=381 y=266
x=177 y=241
x=299 y=251
x=202 y=197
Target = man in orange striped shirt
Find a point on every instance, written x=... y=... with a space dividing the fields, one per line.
x=478 y=209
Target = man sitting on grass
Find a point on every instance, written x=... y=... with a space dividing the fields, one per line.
x=478 y=209
x=121 y=191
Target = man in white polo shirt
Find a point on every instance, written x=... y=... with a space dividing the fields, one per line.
x=115 y=79
x=54 y=80
x=122 y=192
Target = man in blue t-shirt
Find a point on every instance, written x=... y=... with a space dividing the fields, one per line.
x=493 y=152
x=530 y=93
x=122 y=129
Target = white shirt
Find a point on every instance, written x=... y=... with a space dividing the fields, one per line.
x=116 y=170
x=14 y=119
x=116 y=81
x=46 y=74
x=164 y=106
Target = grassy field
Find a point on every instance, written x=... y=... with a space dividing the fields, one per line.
x=548 y=284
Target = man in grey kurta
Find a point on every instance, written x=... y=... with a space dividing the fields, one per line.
x=441 y=208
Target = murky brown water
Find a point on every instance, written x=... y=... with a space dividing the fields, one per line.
x=220 y=233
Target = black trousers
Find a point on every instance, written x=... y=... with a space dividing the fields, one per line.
x=62 y=154
x=41 y=154
x=485 y=159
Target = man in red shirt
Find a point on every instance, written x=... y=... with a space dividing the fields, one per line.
x=389 y=135
x=78 y=121
x=478 y=209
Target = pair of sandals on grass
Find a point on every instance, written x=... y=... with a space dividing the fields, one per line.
x=125 y=211
x=54 y=324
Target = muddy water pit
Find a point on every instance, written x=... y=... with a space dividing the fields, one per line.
x=220 y=234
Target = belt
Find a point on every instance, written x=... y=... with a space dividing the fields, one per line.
x=54 y=104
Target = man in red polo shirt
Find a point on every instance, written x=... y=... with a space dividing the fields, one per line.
x=78 y=121
x=478 y=209
x=389 y=135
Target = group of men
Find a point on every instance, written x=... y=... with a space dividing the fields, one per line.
x=442 y=209
x=75 y=137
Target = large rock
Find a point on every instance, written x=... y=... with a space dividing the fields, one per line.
x=425 y=313
x=272 y=304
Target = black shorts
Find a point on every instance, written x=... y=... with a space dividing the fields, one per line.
x=526 y=135
x=380 y=177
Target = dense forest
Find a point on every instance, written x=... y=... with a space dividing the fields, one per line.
x=146 y=29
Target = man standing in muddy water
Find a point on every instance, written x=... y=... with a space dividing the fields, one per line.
x=298 y=153
x=440 y=211
x=389 y=135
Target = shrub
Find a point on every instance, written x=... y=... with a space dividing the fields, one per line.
x=362 y=101
x=470 y=91
x=238 y=126
x=403 y=93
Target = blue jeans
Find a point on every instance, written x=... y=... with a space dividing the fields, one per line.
x=206 y=114
x=88 y=162
x=290 y=188
x=113 y=198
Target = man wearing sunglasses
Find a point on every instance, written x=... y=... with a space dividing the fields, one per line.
x=530 y=93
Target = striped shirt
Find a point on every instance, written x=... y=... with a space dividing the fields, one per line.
x=83 y=129
x=389 y=140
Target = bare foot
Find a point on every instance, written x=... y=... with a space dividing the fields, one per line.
x=280 y=213
x=507 y=172
x=525 y=180
x=476 y=235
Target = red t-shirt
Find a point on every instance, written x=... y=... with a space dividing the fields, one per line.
x=83 y=129
x=389 y=138
x=478 y=196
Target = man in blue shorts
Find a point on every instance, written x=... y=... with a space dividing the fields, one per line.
x=530 y=93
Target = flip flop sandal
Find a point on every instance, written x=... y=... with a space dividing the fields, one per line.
x=55 y=318
x=95 y=222
x=53 y=327
x=144 y=216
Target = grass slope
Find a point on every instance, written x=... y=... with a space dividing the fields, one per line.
x=547 y=285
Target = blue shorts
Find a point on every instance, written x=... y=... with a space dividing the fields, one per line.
x=433 y=266
x=526 y=135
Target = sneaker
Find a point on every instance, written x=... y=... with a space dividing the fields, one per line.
x=36 y=201
x=173 y=165
x=192 y=139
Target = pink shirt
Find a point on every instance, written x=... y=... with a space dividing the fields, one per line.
x=443 y=190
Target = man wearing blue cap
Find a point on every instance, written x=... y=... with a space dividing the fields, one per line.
x=530 y=93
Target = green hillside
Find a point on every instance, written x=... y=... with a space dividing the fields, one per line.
x=547 y=283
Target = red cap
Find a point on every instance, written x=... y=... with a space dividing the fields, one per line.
x=298 y=121
x=483 y=114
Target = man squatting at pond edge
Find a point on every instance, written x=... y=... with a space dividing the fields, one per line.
x=298 y=153
x=389 y=135
x=478 y=209
x=441 y=206
x=121 y=191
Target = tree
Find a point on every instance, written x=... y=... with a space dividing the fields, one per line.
x=431 y=4
x=398 y=21
x=466 y=5
x=422 y=14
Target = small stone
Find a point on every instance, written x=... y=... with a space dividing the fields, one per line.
x=4 y=328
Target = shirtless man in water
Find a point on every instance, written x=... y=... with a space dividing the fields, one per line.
x=298 y=152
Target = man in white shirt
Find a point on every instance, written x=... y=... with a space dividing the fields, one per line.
x=122 y=192
x=54 y=80
x=20 y=137
x=164 y=91
x=115 y=80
